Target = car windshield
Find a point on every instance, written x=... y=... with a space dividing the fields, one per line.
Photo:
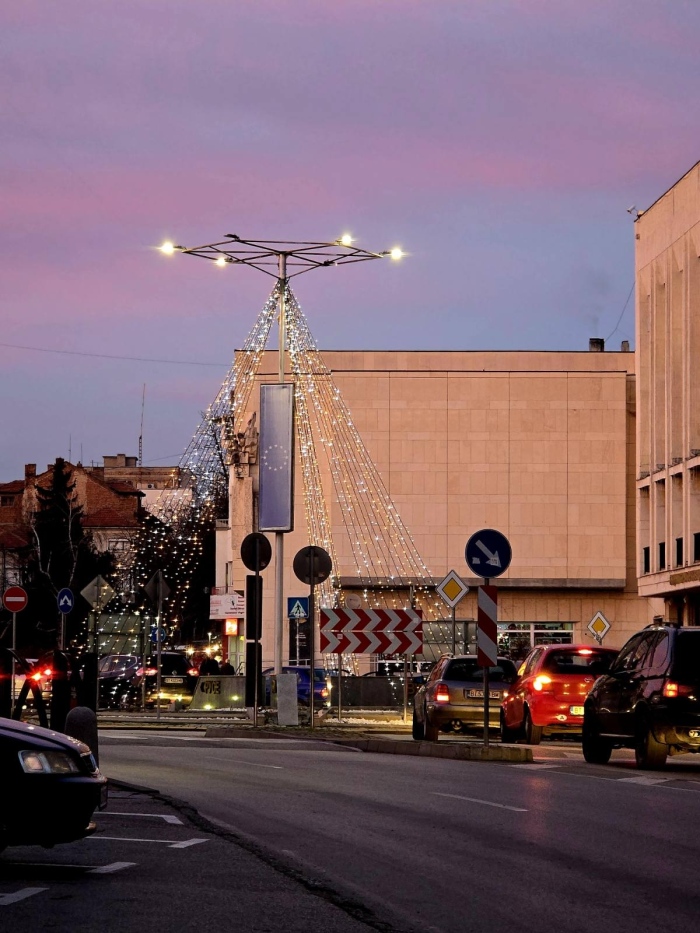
x=468 y=670
x=575 y=662
x=171 y=663
x=686 y=663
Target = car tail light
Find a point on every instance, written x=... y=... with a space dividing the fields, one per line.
x=37 y=677
x=585 y=651
x=148 y=671
x=673 y=689
x=324 y=692
x=193 y=672
x=442 y=693
x=541 y=683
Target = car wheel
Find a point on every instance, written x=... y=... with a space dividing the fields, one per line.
x=418 y=729
x=507 y=735
x=648 y=753
x=533 y=733
x=431 y=731
x=596 y=750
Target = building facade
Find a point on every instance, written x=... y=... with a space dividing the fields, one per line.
x=539 y=445
x=667 y=258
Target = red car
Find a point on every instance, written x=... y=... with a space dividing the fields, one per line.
x=547 y=697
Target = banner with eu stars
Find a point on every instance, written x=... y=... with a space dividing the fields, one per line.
x=276 y=497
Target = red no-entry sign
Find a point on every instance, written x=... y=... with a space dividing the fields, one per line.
x=15 y=599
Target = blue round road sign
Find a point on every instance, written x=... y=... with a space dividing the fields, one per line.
x=65 y=600
x=488 y=553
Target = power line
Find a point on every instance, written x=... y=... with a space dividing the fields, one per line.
x=111 y=356
x=621 y=314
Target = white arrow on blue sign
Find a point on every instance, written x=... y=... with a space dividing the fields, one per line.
x=65 y=600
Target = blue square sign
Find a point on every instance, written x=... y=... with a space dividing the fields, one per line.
x=297 y=607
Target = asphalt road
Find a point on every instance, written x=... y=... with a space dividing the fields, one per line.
x=444 y=845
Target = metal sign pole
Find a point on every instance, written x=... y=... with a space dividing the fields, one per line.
x=159 y=677
x=312 y=646
x=340 y=685
x=486 y=697
x=454 y=629
x=14 y=649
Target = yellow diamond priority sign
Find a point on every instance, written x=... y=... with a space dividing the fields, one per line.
x=599 y=627
x=452 y=589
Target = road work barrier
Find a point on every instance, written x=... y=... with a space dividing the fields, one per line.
x=219 y=692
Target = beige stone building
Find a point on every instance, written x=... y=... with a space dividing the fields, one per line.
x=667 y=240
x=540 y=445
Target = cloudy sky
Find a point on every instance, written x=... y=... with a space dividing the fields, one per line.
x=499 y=142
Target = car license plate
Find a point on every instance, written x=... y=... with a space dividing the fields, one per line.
x=576 y=710
x=479 y=694
x=173 y=680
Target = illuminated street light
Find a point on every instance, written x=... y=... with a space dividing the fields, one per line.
x=282 y=259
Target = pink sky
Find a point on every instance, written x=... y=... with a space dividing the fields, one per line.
x=499 y=143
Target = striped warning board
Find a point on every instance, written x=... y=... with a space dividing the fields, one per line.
x=487 y=628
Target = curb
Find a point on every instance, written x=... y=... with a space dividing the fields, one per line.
x=450 y=750
x=462 y=752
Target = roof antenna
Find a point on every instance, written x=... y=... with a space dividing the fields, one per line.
x=143 y=405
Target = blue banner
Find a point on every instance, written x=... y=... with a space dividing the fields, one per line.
x=276 y=502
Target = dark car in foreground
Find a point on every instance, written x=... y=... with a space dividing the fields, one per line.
x=178 y=680
x=452 y=698
x=649 y=700
x=50 y=786
x=548 y=696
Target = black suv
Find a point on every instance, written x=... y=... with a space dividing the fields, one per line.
x=649 y=700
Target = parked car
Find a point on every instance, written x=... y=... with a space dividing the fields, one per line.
x=548 y=695
x=649 y=700
x=115 y=674
x=51 y=786
x=452 y=698
x=322 y=685
x=178 y=680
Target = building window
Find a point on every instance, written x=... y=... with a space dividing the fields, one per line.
x=119 y=544
x=679 y=552
x=696 y=546
x=7 y=500
x=646 y=560
x=662 y=555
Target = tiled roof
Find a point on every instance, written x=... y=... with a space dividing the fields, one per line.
x=109 y=518
x=15 y=486
x=14 y=536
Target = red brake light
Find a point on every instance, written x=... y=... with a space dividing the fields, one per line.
x=442 y=693
x=324 y=692
x=673 y=689
x=148 y=671
x=540 y=682
x=37 y=676
x=585 y=651
x=193 y=672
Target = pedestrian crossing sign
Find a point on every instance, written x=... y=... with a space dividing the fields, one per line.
x=298 y=607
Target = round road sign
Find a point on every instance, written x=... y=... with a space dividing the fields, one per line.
x=256 y=551
x=15 y=599
x=312 y=565
x=488 y=553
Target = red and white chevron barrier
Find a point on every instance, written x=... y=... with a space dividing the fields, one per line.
x=487 y=626
x=371 y=631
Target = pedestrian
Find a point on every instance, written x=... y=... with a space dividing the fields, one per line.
x=209 y=667
x=227 y=668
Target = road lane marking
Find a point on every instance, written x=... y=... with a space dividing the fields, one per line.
x=169 y=818
x=536 y=767
x=242 y=761
x=644 y=779
x=486 y=803
x=112 y=867
x=21 y=895
x=172 y=843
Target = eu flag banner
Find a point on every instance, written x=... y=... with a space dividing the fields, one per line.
x=276 y=498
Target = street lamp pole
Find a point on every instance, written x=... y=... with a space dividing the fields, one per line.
x=279 y=535
x=276 y=258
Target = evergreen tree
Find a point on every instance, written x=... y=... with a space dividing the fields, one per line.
x=63 y=555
